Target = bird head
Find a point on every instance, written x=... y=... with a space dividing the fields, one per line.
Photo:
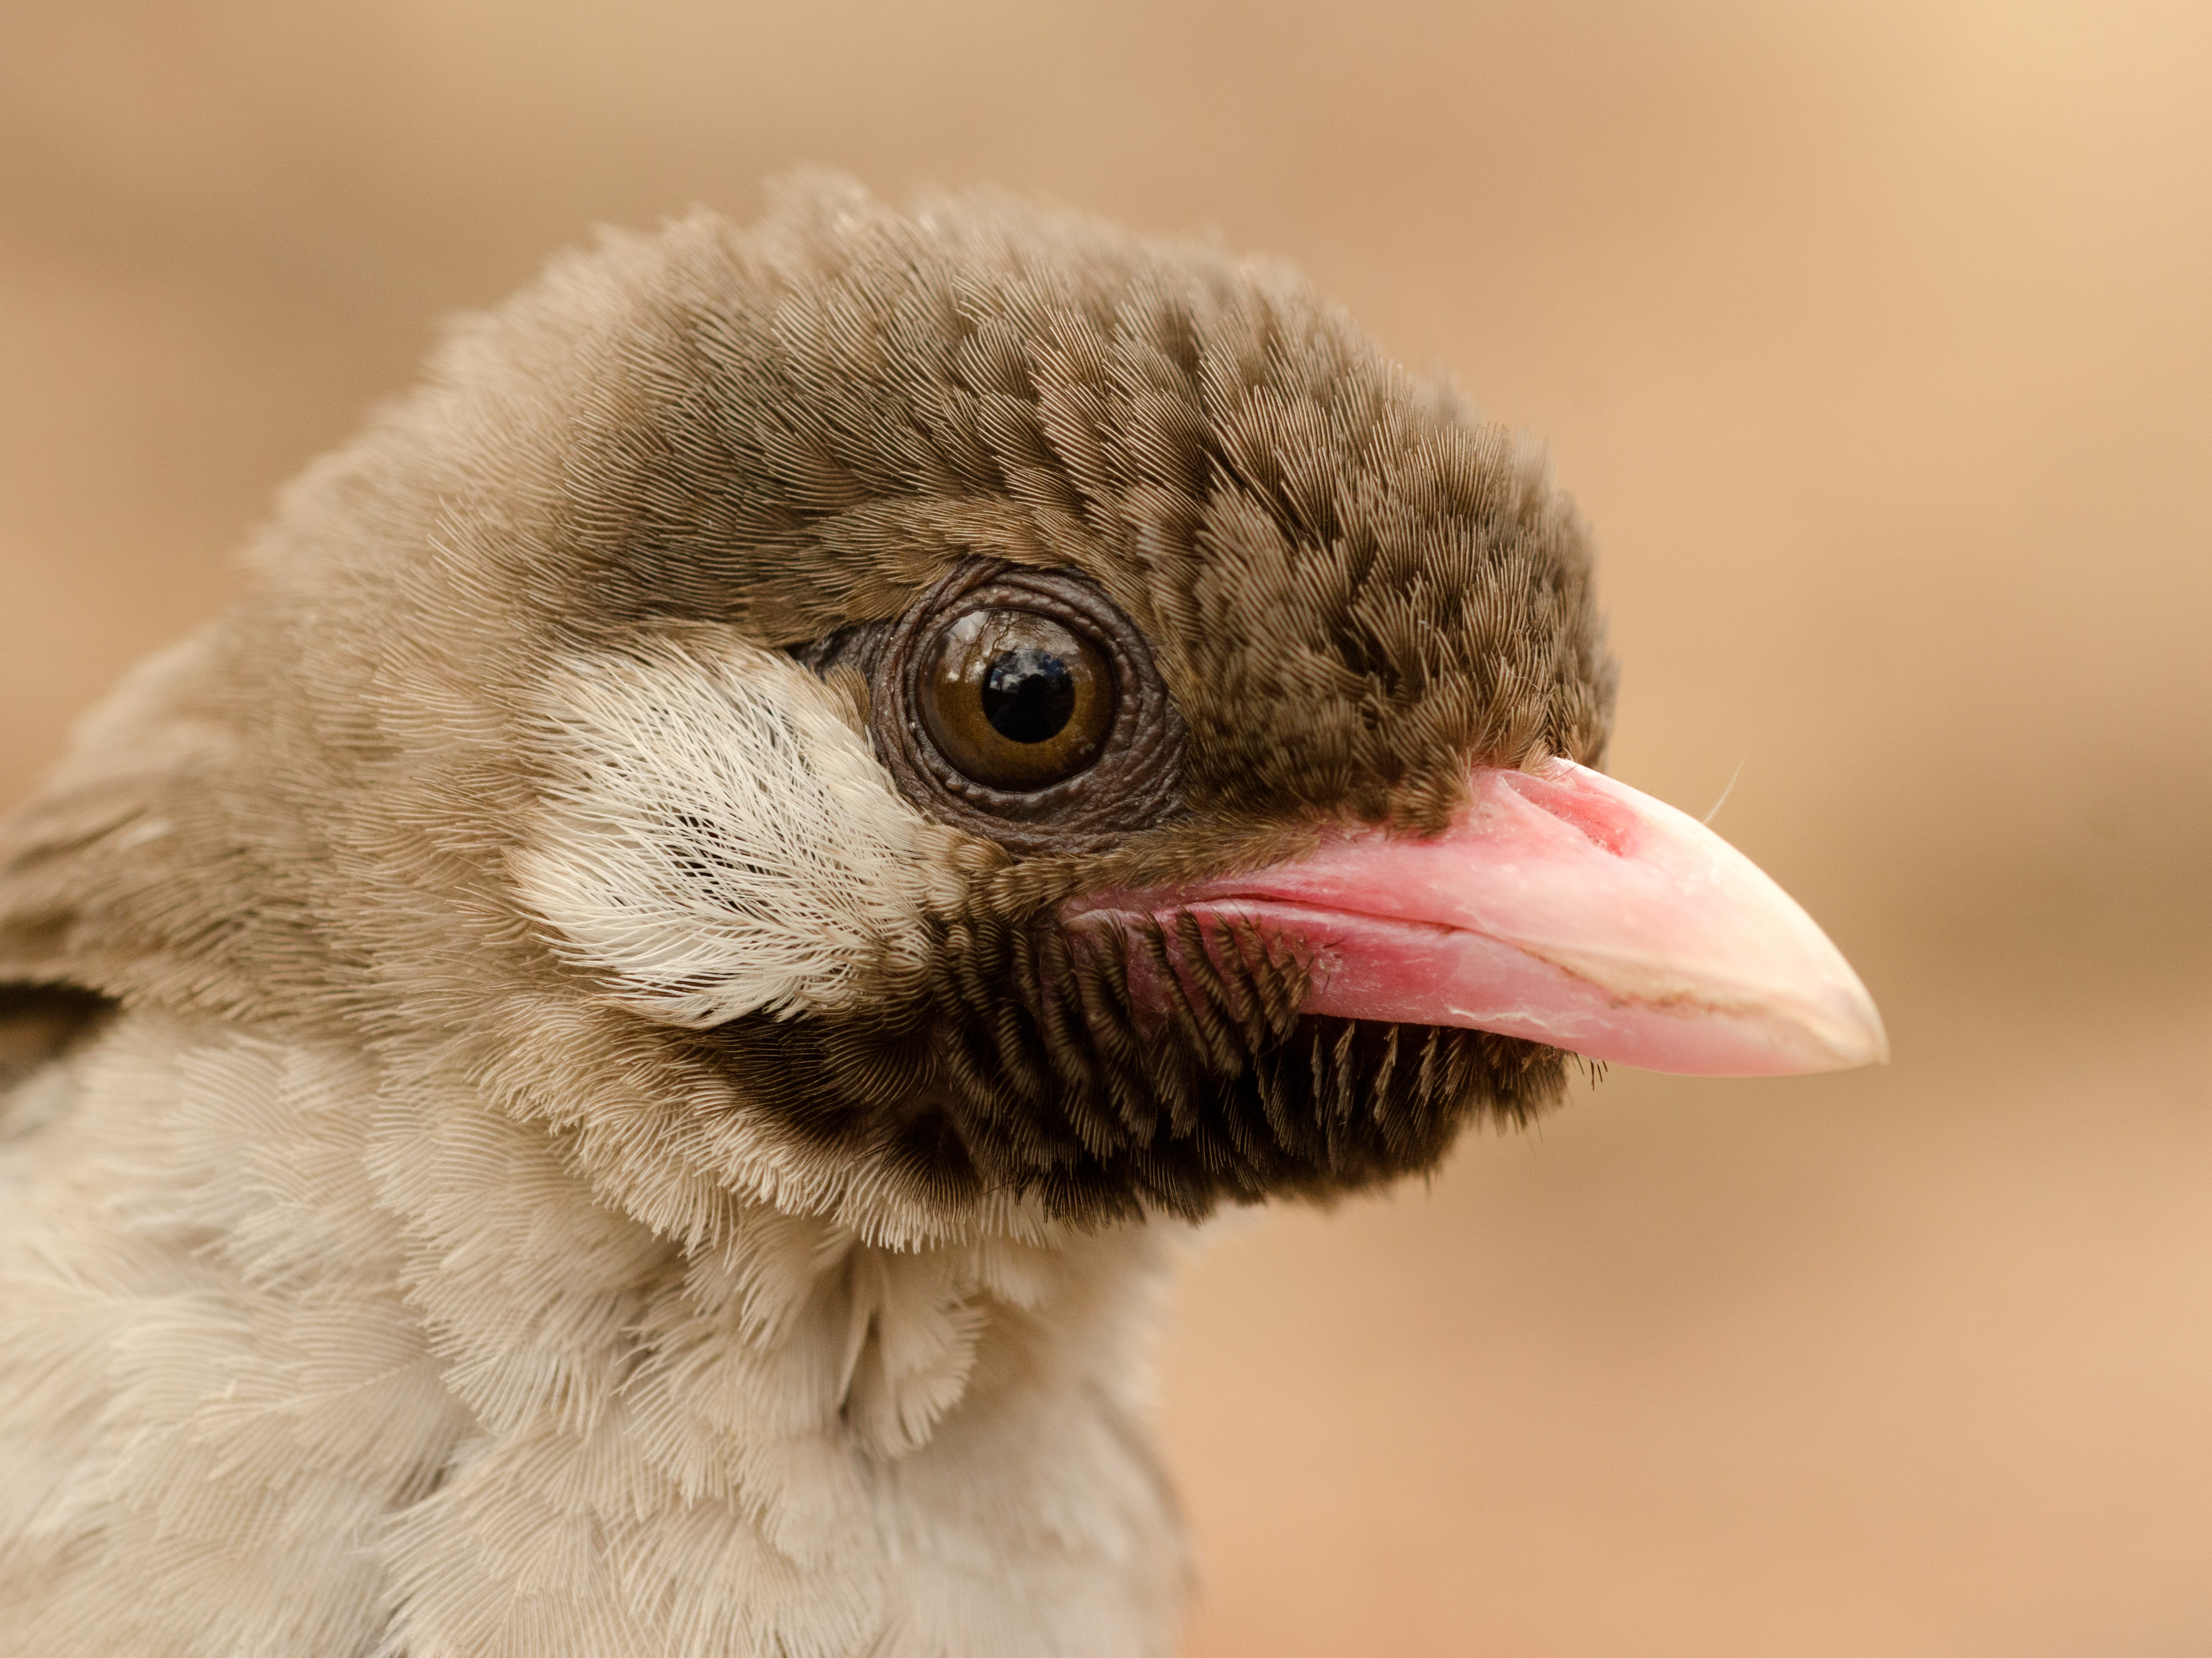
x=953 y=717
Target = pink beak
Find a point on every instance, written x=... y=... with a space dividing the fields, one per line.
x=1563 y=906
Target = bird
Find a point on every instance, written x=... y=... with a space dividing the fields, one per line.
x=615 y=1060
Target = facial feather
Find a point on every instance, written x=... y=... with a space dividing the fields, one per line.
x=716 y=839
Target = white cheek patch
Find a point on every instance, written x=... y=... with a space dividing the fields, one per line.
x=715 y=840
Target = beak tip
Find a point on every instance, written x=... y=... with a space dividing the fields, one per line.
x=1859 y=1038
x=1878 y=1045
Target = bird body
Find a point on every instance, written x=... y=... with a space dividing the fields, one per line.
x=613 y=1061
x=297 y=1367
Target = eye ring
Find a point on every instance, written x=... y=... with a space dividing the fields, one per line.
x=1112 y=765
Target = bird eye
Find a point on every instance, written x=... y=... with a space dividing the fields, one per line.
x=1021 y=705
x=1016 y=701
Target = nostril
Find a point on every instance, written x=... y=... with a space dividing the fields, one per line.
x=1603 y=821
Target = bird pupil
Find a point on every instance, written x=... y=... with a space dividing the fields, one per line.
x=1029 y=695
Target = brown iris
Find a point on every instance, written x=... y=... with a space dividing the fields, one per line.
x=1015 y=700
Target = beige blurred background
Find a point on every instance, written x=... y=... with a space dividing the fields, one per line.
x=1875 y=339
